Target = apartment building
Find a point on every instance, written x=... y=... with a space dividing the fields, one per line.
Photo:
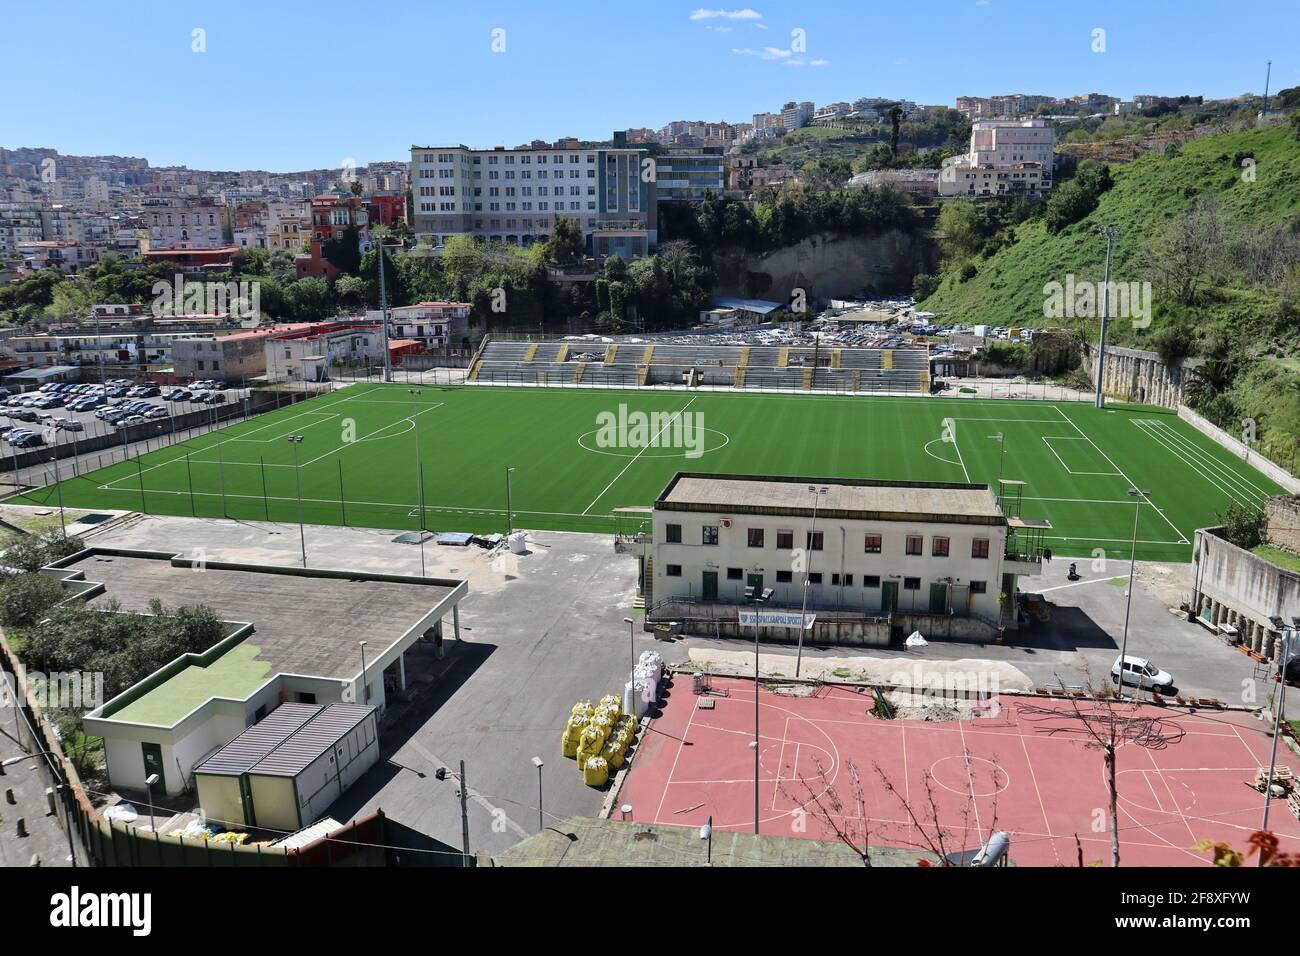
x=435 y=325
x=796 y=115
x=867 y=546
x=331 y=218
x=307 y=354
x=187 y=224
x=1004 y=156
x=689 y=173
x=515 y=195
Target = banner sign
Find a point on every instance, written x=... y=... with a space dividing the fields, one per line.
x=776 y=619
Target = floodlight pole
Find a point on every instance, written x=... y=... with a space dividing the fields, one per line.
x=1110 y=232
x=295 y=440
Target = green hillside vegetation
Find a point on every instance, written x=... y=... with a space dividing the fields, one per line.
x=1213 y=225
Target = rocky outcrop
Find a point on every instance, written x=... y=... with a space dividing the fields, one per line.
x=827 y=266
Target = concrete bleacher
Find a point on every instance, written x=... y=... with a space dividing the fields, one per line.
x=712 y=366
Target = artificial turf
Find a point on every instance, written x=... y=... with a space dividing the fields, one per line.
x=357 y=460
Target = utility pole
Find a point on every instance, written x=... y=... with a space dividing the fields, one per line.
x=464 y=813
x=1268 y=75
x=1110 y=232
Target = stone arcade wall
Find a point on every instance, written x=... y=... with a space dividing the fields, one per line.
x=1140 y=376
x=1241 y=590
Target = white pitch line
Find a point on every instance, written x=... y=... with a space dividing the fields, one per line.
x=1047 y=440
x=648 y=444
x=343 y=447
x=1131 y=482
x=960 y=460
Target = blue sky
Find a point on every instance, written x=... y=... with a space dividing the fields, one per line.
x=286 y=84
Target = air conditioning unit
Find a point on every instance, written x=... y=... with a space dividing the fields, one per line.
x=725 y=522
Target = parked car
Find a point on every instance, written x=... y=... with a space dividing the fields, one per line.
x=15 y=433
x=23 y=415
x=155 y=411
x=180 y=395
x=69 y=425
x=29 y=440
x=213 y=398
x=1140 y=672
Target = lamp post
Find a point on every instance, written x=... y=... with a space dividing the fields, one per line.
x=1139 y=495
x=541 y=821
x=510 y=508
x=149 y=783
x=442 y=773
x=631 y=643
x=803 y=611
x=1289 y=635
x=296 y=440
x=365 y=684
x=58 y=487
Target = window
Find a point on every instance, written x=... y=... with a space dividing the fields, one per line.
x=673 y=570
x=785 y=541
x=814 y=540
x=733 y=574
x=710 y=534
x=673 y=533
x=979 y=548
x=846 y=582
x=755 y=536
x=979 y=587
x=873 y=544
x=871 y=580
x=939 y=547
x=911 y=584
x=915 y=543
x=814 y=577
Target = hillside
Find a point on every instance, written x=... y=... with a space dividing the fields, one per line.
x=1245 y=314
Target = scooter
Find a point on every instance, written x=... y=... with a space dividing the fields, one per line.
x=1072 y=574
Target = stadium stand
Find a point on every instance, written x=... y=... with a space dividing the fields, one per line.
x=786 y=368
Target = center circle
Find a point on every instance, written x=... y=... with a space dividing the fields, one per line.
x=649 y=451
x=953 y=775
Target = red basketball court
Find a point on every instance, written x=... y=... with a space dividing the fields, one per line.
x=1025 y=769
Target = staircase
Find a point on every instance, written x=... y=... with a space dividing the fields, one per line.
x=835 y=358
x=532 y=350
x=473 y=372
x=562 y=354
x=744 y=356
x=610 y=354
x=578 y=372
x=740 y=377
x=857 y=378
x=887 y=359
x=807 y=378
x=648 y=355
x=783 y=357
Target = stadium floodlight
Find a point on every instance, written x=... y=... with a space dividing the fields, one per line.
x=296 y=440
x=1139 y=495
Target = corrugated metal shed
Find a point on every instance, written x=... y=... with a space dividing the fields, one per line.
x=257 y=741
x=313 y=739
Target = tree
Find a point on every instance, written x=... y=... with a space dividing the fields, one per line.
x=895 y=115
x=344 y=253
x=1189 y=256
x=31 y=552
x=25 y=598
x=565 y=243
x=1105 y=723
x=1243 y=524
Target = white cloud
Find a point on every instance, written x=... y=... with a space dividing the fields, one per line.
x=819 y=62
x=742 y=14
x=767 y=53
x=710 y=26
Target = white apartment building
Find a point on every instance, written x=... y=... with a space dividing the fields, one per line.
x=435 y=325
x=194 y=225
x=875 y=547
x=1004 y=156
x=796 y=115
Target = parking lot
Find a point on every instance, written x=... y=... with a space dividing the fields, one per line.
x=66 y=414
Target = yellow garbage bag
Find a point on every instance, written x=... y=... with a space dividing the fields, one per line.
x=569 y=743
x=612 y=755
x=595 y=772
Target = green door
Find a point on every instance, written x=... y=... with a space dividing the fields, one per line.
x=888 y=596
x=755 y=581
x=710 y=585
x=938 y=599
x=153 y=764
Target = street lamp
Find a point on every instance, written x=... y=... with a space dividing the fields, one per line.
x=296 y=440
x=803 y=611
x=1139 y=495
x=1289 y=635
x=365 y=684
x=442 y=773
x=541 y=823
x=510 y=509
x=150 y=782
x=631 y=643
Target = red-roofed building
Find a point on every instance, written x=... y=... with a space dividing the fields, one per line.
x=194 y=260
x=386 y=209
x=331 y=217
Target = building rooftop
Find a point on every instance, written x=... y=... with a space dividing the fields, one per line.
x=844 y=498
x=304 y=622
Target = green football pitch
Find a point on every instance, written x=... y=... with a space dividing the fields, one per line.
x=574 y=466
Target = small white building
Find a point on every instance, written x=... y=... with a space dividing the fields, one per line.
x=858 y=547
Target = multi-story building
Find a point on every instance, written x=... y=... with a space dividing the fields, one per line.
x=187 y=224
x=234 y=357
x=1004 y=156
x=53 y=254
x=516 y=195
x=688 y=173
x=435 y=325
x=331 y=219
x=308 y=354
x=874 y=547
x=796 y=115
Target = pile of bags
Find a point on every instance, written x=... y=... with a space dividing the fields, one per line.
x=598 y=736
